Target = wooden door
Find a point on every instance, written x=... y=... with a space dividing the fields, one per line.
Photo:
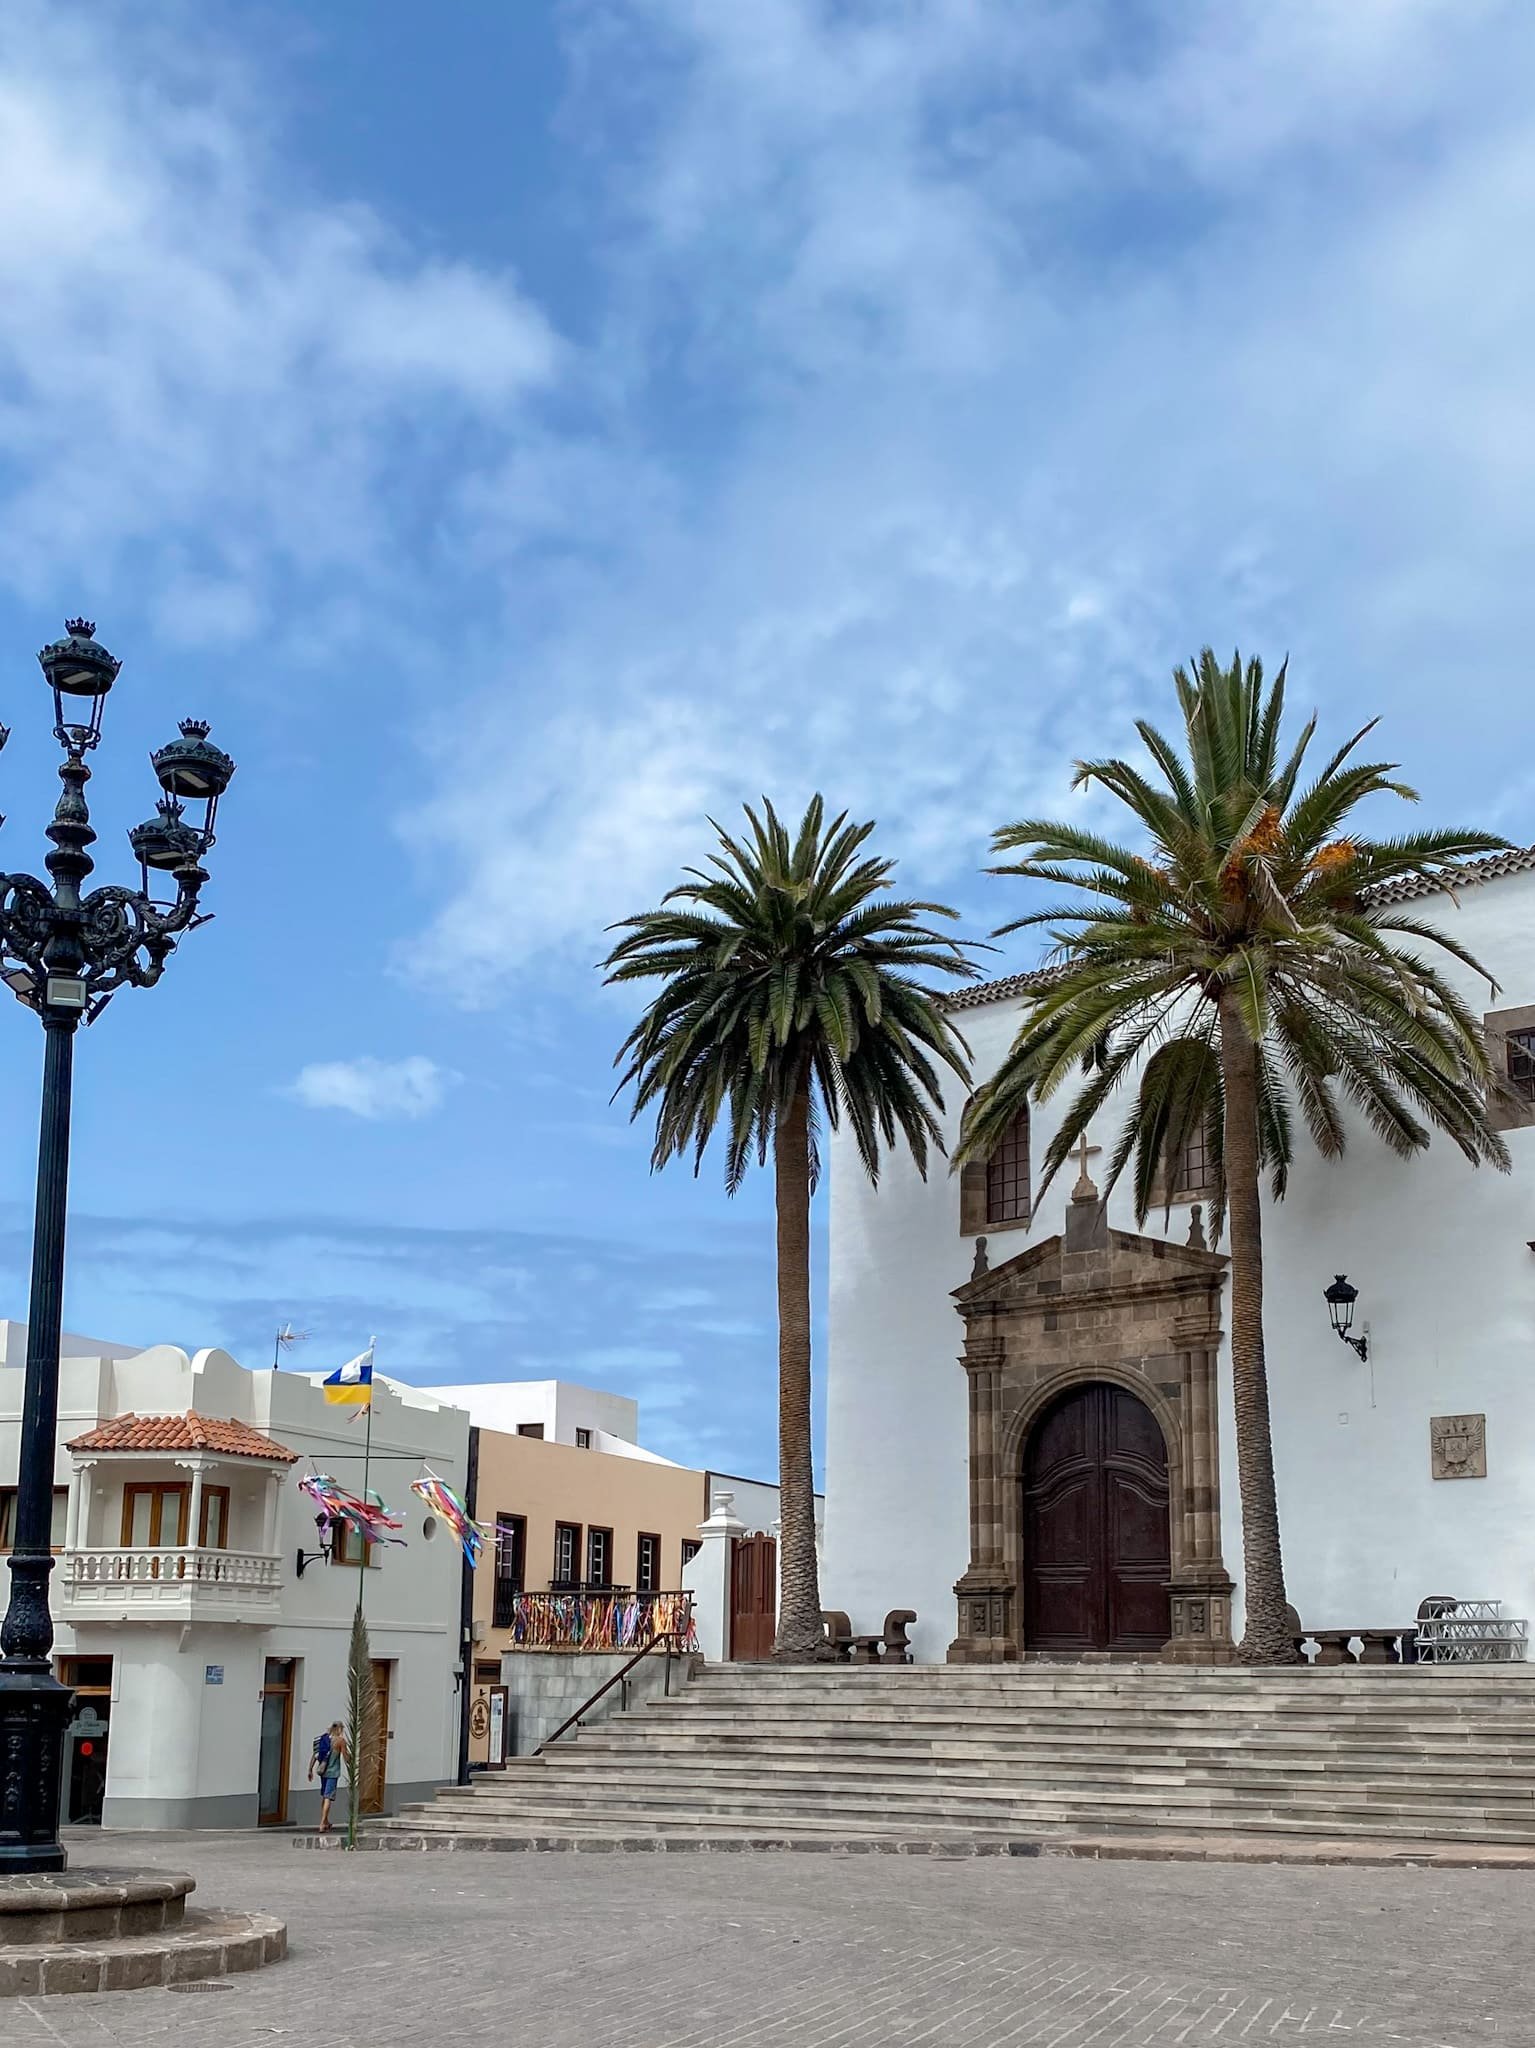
x=753 y=1598
x=1096 y=1533
x=276 y=1745
x=371 y=1786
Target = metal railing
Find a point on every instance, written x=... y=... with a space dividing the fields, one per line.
x=674 y=1642
x=601 y=1621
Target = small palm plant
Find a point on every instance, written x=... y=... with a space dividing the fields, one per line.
x=790 y=1001
x=364 y=1723
x=1237 y=966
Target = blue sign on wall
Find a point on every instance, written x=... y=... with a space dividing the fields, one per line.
x=213 y=1674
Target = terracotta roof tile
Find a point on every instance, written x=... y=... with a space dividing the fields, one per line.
x=1467 y=876
x=189 y=1432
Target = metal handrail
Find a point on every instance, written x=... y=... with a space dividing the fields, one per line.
x=668 y=1637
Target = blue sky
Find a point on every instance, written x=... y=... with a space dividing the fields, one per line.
x=524 y=429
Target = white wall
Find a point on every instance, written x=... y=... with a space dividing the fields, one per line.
x=559 y=1406
x=1440 y=1255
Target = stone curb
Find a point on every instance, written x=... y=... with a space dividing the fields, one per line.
x=211 y=1945
x=1416 y=1856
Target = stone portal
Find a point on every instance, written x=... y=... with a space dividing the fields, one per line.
x=1052 y=1339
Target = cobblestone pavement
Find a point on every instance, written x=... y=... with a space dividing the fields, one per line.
x=731 y=1951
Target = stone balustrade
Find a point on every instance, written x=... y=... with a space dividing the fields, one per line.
x=160 y=1583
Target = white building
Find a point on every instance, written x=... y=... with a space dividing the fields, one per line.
x=555 y=1411
x=206 y=1656
x=1403 y=1476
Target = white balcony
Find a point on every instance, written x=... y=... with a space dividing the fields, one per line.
x=168 y=1584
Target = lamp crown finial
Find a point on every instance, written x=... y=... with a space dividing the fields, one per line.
x=195 y=728
x=83 y=629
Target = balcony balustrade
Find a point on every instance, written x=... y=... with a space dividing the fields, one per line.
x=192 y=1583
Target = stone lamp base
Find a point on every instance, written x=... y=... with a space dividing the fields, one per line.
x=121 y=1930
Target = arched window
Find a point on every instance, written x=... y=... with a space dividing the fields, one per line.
x=994 y=1193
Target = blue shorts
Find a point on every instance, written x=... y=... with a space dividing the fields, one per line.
x=328 y=1787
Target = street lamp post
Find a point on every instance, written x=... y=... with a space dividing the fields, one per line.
x=64 y=955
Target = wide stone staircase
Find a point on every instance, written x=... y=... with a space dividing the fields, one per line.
x=1001 y=1756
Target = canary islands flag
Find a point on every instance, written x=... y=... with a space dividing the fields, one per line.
x=351 y=1385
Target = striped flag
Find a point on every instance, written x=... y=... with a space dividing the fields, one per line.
x=351 y=1385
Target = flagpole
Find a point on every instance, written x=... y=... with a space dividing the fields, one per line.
x=362 y=1575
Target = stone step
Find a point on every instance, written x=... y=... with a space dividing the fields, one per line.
x=1153 y=1766
x=1378 y=1823
x=1517 y=1736
x=1004 y=1751
x=1359 y=1680
x=810 y=1793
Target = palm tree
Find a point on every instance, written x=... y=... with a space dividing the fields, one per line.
x=789 y=1003
x=1241 y=964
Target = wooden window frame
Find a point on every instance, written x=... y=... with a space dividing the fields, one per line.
x=1508 y=1108
x=647 y=1536
x=159 y=1490
x=504 y=1584
x=222 y=1495
x=342 y=1549
x=577 y=1534
x=533 y=1431
x=10 y=1497
x=583 y=1439
x=596 y=1578
x=690 y=1549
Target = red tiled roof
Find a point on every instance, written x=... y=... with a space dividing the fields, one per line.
x=1467 y=875
x=189 y=1432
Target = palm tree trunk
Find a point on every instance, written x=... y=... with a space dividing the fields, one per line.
x=1266 y=1637
x=800 y=1634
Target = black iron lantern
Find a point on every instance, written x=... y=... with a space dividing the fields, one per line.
x=194 y=768
x=78 y=667
x=165 y=841
x=1340 y=1299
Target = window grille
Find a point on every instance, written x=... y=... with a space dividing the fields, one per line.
x=1007 y=1174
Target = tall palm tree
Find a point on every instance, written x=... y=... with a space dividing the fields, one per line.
x=788 y=1003
x=1241 y=963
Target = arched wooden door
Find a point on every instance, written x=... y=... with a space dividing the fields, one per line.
x=1096 y=1535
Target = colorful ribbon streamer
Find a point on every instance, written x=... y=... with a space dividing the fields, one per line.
x=371 y=1519
x=448 y=1507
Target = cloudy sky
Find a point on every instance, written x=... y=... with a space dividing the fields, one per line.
x=524 y=429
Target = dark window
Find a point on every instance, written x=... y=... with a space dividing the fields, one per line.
x=8 y=1517
x=690 y=1550
x=530 y=1429
x=511 y=1551
x=567 y=1553
x=599 y=1557
x=647 y=1568
x=1196 y=1169
x=1521 y=1063
x=583 y=1439
x=1007 y=1174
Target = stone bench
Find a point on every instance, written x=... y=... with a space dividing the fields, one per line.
x=890 y=1646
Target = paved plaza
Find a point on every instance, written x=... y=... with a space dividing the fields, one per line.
x=728 y=1951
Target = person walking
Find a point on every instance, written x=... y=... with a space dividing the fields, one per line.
x=327 y=1756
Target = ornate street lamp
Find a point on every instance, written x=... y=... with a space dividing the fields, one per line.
x=1340 y=1299
x=64 y=956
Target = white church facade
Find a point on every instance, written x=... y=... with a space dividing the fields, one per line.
x=1029 y=1418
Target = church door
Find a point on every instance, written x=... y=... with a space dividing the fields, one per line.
x=1096 y=1535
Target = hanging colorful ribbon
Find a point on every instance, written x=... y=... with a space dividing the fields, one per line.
x=373 y=1522
x=448 y=1507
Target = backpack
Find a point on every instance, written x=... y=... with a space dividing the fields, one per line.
x=324 y=1753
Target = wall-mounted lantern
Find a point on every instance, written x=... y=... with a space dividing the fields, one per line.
x=1340 y=1299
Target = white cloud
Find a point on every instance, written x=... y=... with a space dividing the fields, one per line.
x=229 y=371
x=1030 y=356
x=373 y=1088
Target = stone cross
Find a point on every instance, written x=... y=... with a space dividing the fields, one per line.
x=1084 y=1191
